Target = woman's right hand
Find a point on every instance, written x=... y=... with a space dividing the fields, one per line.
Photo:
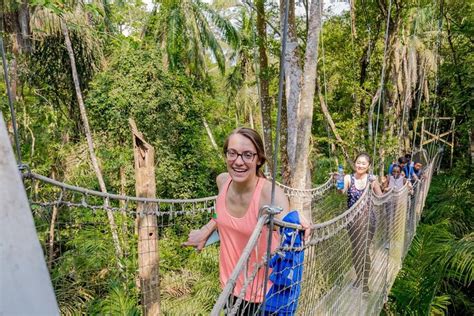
x=197 y=238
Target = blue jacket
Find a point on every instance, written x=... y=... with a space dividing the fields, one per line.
x=287 y=271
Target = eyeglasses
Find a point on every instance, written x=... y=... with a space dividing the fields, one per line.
x=247 y=156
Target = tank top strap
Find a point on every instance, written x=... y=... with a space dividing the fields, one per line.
x=255 y=202
x=221 y=197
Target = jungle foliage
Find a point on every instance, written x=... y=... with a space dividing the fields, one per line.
x=178 y=65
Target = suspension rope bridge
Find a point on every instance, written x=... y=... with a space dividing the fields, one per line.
x=347 y=267
x=366 y=244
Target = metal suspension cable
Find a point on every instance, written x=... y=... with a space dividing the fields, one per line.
x=10 y=102
x=420 y=93
x=276 y=146
x=435 y=129
x=256 y=66
x=382 y=79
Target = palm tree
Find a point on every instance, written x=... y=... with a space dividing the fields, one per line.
x=243 y=71
x=186 y=30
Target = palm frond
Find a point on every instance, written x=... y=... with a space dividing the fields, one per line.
x=228 y=32
x=439 y=305
x=459 y=260
x=208 y=38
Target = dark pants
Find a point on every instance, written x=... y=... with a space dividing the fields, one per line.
x=246 y=308
x=361 y=232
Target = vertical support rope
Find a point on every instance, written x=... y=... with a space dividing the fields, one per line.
x=276 y=147
x=325 y=82
x=437 y=87
x=10 y=102
x=382 y=79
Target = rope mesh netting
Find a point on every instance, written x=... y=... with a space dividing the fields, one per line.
x=108 y=247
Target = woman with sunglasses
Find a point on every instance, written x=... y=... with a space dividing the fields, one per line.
x=243 y=190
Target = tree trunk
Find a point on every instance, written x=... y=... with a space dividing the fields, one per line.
x=52 y=225
x=293 y=75
x=123 y=207
x=265 y=101
x=209 y=134
x=148 y=255
x=353 y=19
x=285 y=164
x=305 y=115
x=87 y=131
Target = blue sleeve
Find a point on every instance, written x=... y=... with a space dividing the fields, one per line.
x=411 y=170
x=390 y=168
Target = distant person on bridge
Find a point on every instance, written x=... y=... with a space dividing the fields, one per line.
x=355 y=185
x=243 y=190
x=406 y=167
x=396 y=180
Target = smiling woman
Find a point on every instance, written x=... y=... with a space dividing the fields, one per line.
x=355 y=185
x=243 y=190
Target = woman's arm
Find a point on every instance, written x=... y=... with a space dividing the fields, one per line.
x=347 y=183
x=198 y=237
x=376 y=187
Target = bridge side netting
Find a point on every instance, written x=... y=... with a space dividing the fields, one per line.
x=89 y=277
x=350 y=262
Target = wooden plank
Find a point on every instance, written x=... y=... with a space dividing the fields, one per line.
x=437 y=137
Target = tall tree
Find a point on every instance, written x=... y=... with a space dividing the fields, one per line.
x=300 y=176
x=57 y=17
x=265 y=100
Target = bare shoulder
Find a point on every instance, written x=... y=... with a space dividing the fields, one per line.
x=280 y=197
x=221 y=179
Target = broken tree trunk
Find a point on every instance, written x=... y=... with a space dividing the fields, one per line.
x=148 y=256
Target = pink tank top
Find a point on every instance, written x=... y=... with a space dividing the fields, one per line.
x=234 y=234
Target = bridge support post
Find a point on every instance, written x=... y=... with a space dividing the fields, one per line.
x=148 y=255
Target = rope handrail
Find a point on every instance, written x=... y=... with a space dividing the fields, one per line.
x=319 y=189
x=111 y=195
x=314 y=190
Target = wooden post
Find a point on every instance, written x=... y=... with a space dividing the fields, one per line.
x=148 y=256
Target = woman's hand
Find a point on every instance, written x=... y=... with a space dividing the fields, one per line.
x=198 y=237
x=306 y=224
